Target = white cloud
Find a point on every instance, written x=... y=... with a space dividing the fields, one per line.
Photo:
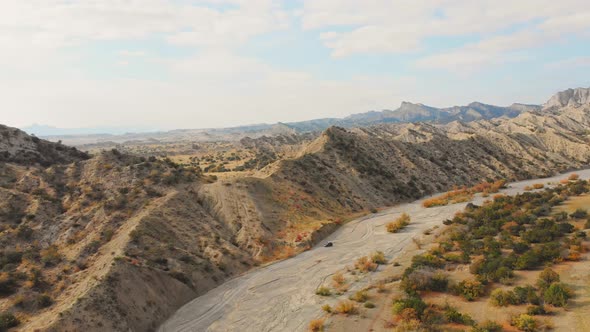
x=394 y=26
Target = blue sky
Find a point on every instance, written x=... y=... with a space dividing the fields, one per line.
x=210 y=63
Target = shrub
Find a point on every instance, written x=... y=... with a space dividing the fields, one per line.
x=526 y=294
x=546 y=278
x=453 y=316
x=501 y=298
x=323 y=291
x=538 y=186
x=557 y=294
x=470 y=289
x=378 y=257
x=24 y=232
x=398 y=224
x=488 y=326
x=326 y=308
x=360 y=296
x=316 y=325
x=345 y=307
x=7 y=320
x=579 y=214
x=525 y=323
x=338 y=279
x=535 y=310
x=424 y=278
x=8 y=284
x=414 y=302
x=43 y=301
x=369 y=305
x=364 y=264
x=50 y=256
x=573 y=177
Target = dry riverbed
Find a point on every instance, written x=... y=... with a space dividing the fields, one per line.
x=281 y=296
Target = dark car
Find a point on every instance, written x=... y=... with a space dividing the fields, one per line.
x=329 y=244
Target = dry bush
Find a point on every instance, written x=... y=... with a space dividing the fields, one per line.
x=360 y=296
x=338 y=279
x=573 y=177
x=365 y=264
x=378 y=257
x=345 y=307
x=316 y=325
x=538 y=186
x=398 y=224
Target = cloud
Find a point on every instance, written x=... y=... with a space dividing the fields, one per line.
x=385 y=26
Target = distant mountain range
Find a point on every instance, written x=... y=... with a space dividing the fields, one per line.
x=406 y=113
x=410 y=112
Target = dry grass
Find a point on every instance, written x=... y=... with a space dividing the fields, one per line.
x=398 y=224
x=365 y=264
x=345 y=307
x=338 y=279
x=378 y=257
x=317 y=325
x=464 y=194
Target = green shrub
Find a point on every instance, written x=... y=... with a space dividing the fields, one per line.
x=424 y=278
x=526 y=294
x=470 y=289
x=43 y=301
x=369 y=305
x=546 y=278
x=579 y=214
x=488 y=326
x=501 y=298
x=412 y=302
x=7 y=320
x=557 y=294
x=535 y=310
x=323 y=291
x=451 y=315
x=8 y=284
x=525 y=323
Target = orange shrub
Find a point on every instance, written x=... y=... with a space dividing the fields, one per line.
x=573 y=177
x=365 y=264
x=345 y=307
x=538 y=186
x=316 y=325
x=399 y=223
x=338 y=279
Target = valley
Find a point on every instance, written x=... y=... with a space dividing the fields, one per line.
x=122 y=236
x=282 y=296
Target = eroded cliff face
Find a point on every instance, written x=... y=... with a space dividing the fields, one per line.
x=569 y=98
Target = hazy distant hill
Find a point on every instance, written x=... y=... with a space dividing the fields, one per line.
x=406 y=113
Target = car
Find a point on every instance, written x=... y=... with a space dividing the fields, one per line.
x=329 y=244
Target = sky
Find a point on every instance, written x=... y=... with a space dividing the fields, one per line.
x=167 y=64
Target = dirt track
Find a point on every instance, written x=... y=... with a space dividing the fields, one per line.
x=281 y=296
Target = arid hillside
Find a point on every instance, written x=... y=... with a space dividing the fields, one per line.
x=112 y=242
x=347 y=171
x=117 y=242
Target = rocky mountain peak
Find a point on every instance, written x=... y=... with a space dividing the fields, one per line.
x=570 y=97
